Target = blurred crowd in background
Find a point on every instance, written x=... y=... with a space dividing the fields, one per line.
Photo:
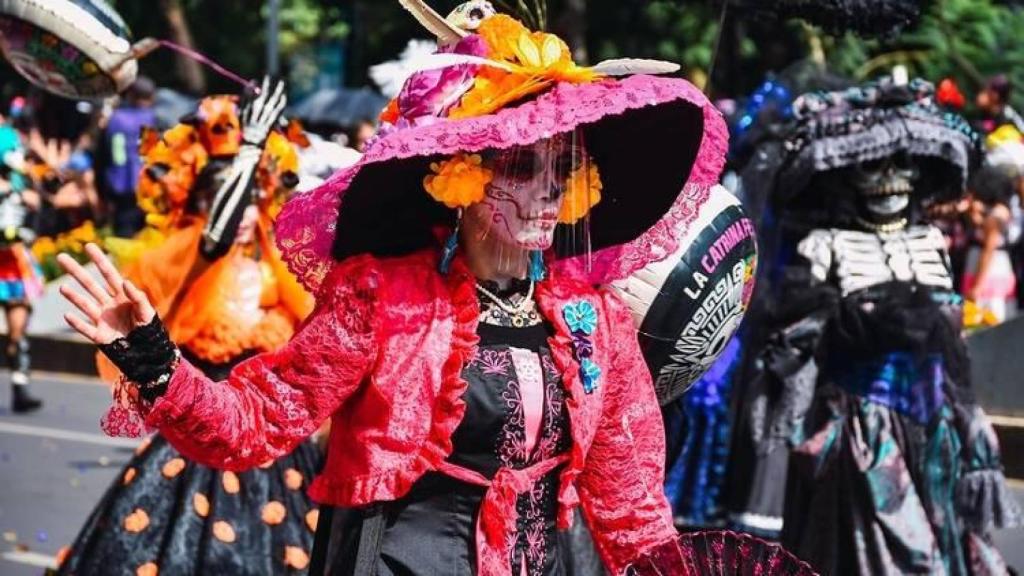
x=984 y=229
x=78 y=162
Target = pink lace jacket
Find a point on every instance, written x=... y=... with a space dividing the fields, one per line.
x=382 y=355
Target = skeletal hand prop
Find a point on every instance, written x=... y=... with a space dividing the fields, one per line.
x=259 y=116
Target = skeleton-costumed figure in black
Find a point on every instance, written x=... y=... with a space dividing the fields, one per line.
x=859 y=435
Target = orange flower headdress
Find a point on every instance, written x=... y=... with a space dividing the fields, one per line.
x=171 y=163
x=278 y=172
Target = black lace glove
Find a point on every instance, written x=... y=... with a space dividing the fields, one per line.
x=146 y=356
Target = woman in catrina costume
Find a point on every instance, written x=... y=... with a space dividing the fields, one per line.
x=859 y=438
x=165 y=513
x=482 y=386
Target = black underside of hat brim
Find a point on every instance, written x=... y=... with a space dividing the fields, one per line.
x=645 y=156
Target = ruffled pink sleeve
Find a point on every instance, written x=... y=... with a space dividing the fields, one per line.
x=272 y=402
x=621 y=482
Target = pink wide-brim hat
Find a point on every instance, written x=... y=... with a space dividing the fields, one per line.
x=659 y=143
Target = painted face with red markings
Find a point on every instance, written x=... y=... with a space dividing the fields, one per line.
x=523 y=200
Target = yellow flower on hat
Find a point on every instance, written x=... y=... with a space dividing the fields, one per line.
x=458 y=182
x=583 y=192
x=540 y=51
x=537 y=61
x=501 y=32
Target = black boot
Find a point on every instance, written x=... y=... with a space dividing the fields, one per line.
x=19 y=361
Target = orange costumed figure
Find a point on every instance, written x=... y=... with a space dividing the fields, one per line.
x=164 y=512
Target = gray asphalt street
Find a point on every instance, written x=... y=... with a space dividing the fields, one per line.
x=55 y=464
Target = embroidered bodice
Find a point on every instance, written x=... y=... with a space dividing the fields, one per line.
x=516 y=417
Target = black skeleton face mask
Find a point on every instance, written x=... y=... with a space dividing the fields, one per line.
x=884 y=187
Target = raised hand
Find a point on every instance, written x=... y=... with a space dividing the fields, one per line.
x=108 y=312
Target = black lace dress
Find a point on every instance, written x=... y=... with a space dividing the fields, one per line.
x=165 y=515
x=432 y=529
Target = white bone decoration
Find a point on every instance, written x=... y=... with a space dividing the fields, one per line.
x=858 y=260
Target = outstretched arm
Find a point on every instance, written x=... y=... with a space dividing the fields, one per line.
x=269 y=403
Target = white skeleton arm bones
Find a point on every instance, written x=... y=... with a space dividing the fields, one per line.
x=259 y=116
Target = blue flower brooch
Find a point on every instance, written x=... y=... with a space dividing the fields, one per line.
x=581 y=318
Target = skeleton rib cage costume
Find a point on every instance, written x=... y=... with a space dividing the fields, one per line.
x=859 y=260
x=857 y=389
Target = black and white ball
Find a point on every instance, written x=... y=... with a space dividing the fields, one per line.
x=687 y=306
x=72 y=48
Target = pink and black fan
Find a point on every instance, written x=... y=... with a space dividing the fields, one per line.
x=720 y=554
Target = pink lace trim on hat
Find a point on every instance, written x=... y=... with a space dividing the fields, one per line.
x=305 y=228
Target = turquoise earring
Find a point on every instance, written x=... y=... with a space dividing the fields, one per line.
x=537 y=270
x=448 y=254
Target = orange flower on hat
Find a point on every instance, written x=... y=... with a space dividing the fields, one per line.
x=501 y=32
x=493 y=90
x=583 y=192
x=536 y=60
x=458 y=182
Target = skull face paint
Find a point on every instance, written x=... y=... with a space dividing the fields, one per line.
x=884 y=187
x=523 y=200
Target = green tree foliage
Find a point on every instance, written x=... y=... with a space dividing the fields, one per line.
x=682 y=32
x=968 y=40
x=233 y=32
x=305 y=22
